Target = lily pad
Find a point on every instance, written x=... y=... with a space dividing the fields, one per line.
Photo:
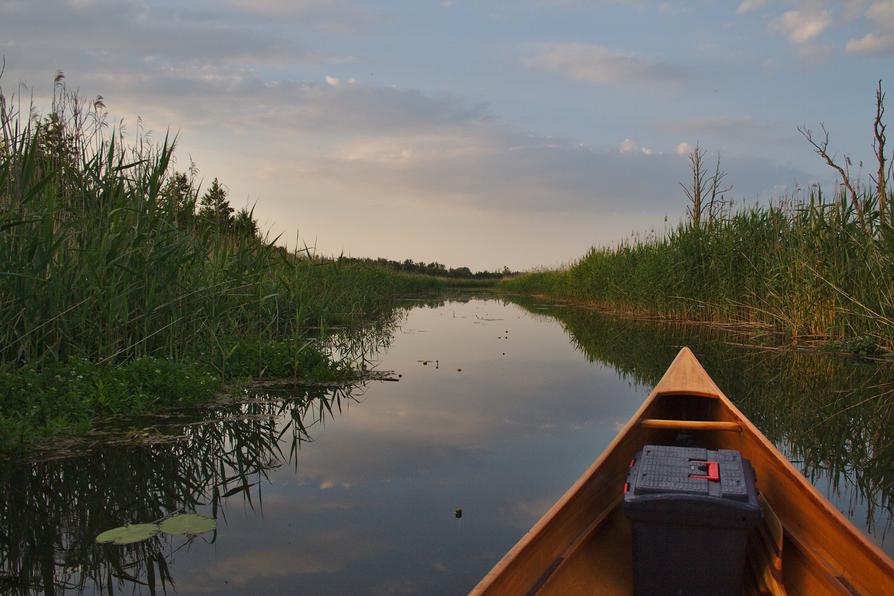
x=188 y=523
x=128 y=534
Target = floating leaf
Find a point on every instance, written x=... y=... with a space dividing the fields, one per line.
x=188 y=523
x=111 y=535
x=128 y=534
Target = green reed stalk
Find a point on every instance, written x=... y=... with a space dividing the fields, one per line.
x=804 y=268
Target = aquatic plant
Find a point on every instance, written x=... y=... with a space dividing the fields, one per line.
x=805 y=269
x=207 y=459
x=184 y=524
x=109 y=255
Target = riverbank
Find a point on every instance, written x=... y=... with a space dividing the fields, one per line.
x=806 y=271
x=124 y=286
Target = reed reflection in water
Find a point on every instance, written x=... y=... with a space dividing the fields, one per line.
x=52 y=510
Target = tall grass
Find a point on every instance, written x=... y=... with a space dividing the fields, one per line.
x=804 y=268
x=107 y=258
x=97 y=261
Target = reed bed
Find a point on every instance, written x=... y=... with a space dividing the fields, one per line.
x=107 y=255
x=805 y=269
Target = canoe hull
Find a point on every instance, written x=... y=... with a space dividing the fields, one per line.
x=582 y=544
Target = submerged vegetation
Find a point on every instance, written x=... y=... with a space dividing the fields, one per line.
x=124 y=287
x=814 y=269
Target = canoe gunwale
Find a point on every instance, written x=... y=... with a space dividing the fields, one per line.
x=803 y=535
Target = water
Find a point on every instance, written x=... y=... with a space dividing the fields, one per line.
x=499 y=408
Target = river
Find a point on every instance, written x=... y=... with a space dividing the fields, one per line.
x=496 y=408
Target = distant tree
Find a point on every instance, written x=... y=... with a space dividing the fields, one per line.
x=423 y=268
x=705 y=191
x=821 y=147
x=853 y=190
x=179 y=197
x=878 y=146
x=215 y=207
x=244 y=223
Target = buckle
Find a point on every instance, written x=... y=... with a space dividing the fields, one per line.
x=709 y=470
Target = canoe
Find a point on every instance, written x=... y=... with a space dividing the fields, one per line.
x=583 y=544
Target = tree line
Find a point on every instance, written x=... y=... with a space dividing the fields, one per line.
x=434 y=268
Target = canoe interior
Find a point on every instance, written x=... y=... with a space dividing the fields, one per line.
x=583 y=543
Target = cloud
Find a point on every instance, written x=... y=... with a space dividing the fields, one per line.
x=599 y=64
x=365 y=139
x=736 y=128
x=749 y=5
x=406 y=145
x=638 y=5
x=201 y=96
x=871 y=43
x=325 y=550
x=816 y=53
x=811 y=18
x=135 y=36
x=628 y=146
x=800 y=26
x=497 y=169
x=683 y=148
x=880 y=15
x=132 y=35
x=323 y=15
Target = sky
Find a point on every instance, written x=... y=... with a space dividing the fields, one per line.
x=473 y=133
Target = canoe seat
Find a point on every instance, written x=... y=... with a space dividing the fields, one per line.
x=690 y=424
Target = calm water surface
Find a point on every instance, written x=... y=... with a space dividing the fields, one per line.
x=499 y=408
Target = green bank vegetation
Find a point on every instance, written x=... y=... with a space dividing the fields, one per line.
x=819 y=269
x=124 y=287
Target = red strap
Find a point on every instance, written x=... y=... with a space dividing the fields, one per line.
x=713 y=472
